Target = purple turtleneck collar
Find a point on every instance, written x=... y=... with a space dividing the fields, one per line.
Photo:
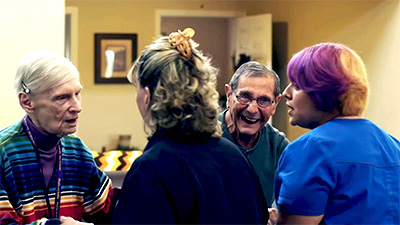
x=44 y=140
x=47 y=149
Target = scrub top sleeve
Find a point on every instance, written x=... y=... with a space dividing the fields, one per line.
x=305 y=177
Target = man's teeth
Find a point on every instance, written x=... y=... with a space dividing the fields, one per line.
x=249 y=120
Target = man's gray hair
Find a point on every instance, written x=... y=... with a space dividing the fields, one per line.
x=254 y=69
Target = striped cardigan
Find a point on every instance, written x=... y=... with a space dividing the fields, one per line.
x=85 y=188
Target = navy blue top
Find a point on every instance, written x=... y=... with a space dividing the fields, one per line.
x=346 y=169
x=208 y=182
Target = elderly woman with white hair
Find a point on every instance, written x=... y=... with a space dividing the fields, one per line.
x=48 y=176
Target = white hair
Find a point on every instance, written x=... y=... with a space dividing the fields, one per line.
x=43 y=69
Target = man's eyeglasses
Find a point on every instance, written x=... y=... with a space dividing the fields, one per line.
x=262 y=102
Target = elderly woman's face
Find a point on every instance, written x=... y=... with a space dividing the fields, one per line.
x=56 y=111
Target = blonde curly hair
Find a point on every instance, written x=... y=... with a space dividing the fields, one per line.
x=184 y=100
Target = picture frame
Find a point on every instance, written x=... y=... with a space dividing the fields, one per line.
x=114 y=55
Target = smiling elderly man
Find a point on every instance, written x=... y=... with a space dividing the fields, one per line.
x=252 y=97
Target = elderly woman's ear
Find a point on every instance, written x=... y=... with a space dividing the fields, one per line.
x=147 y=95
x=25 y=102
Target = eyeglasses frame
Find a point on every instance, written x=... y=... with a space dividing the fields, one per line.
x=251 y=100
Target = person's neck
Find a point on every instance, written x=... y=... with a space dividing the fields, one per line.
x=229 y=121
x=247 y=141
x=325 y=117
x=349 y=117
x=43 y=139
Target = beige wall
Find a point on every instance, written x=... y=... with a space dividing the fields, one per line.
x=370 y=27
x=110 y=110
x=25 y=26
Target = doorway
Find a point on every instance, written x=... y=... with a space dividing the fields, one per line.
x=220 y=28
x=217 y=26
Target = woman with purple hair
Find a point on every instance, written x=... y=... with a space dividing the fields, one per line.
x=346 y=169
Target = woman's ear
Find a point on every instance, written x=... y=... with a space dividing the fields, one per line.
x=25 y=101
x=147 y=96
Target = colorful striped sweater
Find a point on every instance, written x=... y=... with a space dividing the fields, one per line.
x=85 y=188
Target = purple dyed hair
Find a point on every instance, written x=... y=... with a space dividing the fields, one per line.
x=330 y=73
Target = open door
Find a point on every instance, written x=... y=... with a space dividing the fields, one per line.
x=254 y=38
x=250 y=35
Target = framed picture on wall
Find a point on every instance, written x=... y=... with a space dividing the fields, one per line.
x=114 y=55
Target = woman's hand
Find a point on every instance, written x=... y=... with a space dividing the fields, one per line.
x=273 y=216
x=70 y=221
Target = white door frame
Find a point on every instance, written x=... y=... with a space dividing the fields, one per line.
x=193 y=13
x=73 y=12
x=230 y=15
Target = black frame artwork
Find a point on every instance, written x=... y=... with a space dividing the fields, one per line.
x=114 y=55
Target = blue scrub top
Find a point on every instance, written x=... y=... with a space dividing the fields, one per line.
x=347 y=170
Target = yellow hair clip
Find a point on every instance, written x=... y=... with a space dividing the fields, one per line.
x=180 y=40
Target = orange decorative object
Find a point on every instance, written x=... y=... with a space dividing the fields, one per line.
x=180 y=40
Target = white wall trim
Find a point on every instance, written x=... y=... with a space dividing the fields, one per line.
x=192 y=13
x=73 y=11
